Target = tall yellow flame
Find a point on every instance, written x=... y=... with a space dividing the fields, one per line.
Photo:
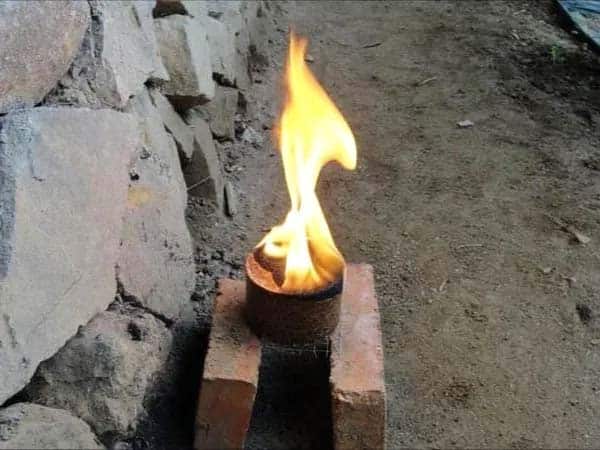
x=313 y=132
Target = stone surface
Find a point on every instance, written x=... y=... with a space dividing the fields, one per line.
x=256 y=14
x=203 y=174
x=129 y=48
x=147 y=43
x=39 y=42
x=223 y=54
x=357 y=378
x=156 y=264
x=30 y=426
x=105 y=373
x=231 y=199
x=182 y=134
x=230 y=374
x=251 y=136
x=230 y=13
x=219 y=113
x=185 y=52
x=119 y=54
x=63 y=191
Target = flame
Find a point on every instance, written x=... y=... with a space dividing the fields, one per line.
x=312 y=132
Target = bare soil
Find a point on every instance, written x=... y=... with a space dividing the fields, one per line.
x=490 y=308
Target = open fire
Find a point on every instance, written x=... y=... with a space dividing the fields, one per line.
x=295 y=274
x=312 y=132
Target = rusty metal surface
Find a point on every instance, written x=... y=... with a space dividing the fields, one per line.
x=286 y=318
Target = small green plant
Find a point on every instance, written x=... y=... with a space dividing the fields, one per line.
x=557 y=54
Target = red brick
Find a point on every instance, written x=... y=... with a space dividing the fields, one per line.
x=357 y=377
x=230 y=374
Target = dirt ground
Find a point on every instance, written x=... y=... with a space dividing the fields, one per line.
x=490 y=308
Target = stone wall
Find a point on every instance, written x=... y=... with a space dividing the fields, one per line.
x=108 y=111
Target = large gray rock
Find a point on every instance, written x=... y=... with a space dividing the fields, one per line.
x=223 y=55
x=219 y=113
x=147 y=41
x=119 y=54
x=185 y=52
x=233 y=15
x=174 y=124
x=221 y=40
x=106 y=371
x=38 y=41
x=63 y=191
x=202 y=173
x=156 y=263
x=30 y=426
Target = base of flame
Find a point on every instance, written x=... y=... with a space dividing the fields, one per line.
x=284 y=318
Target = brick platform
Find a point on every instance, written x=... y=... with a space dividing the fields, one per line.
x=230 y=374
x=357 y=378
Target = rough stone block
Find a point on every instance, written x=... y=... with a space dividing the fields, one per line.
x=357 y=378
x=119 y=54
x=38 y=44
x=219 y=113
x=231 y=14
x=156 y=262
x=202 y=173
x=63 y=192
x=147 y=43
x=182 y=134
x=256 y=14
x=222 y=51
x=26 y=425
x=230 y=374
x=105 y=373
x=185 y=52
